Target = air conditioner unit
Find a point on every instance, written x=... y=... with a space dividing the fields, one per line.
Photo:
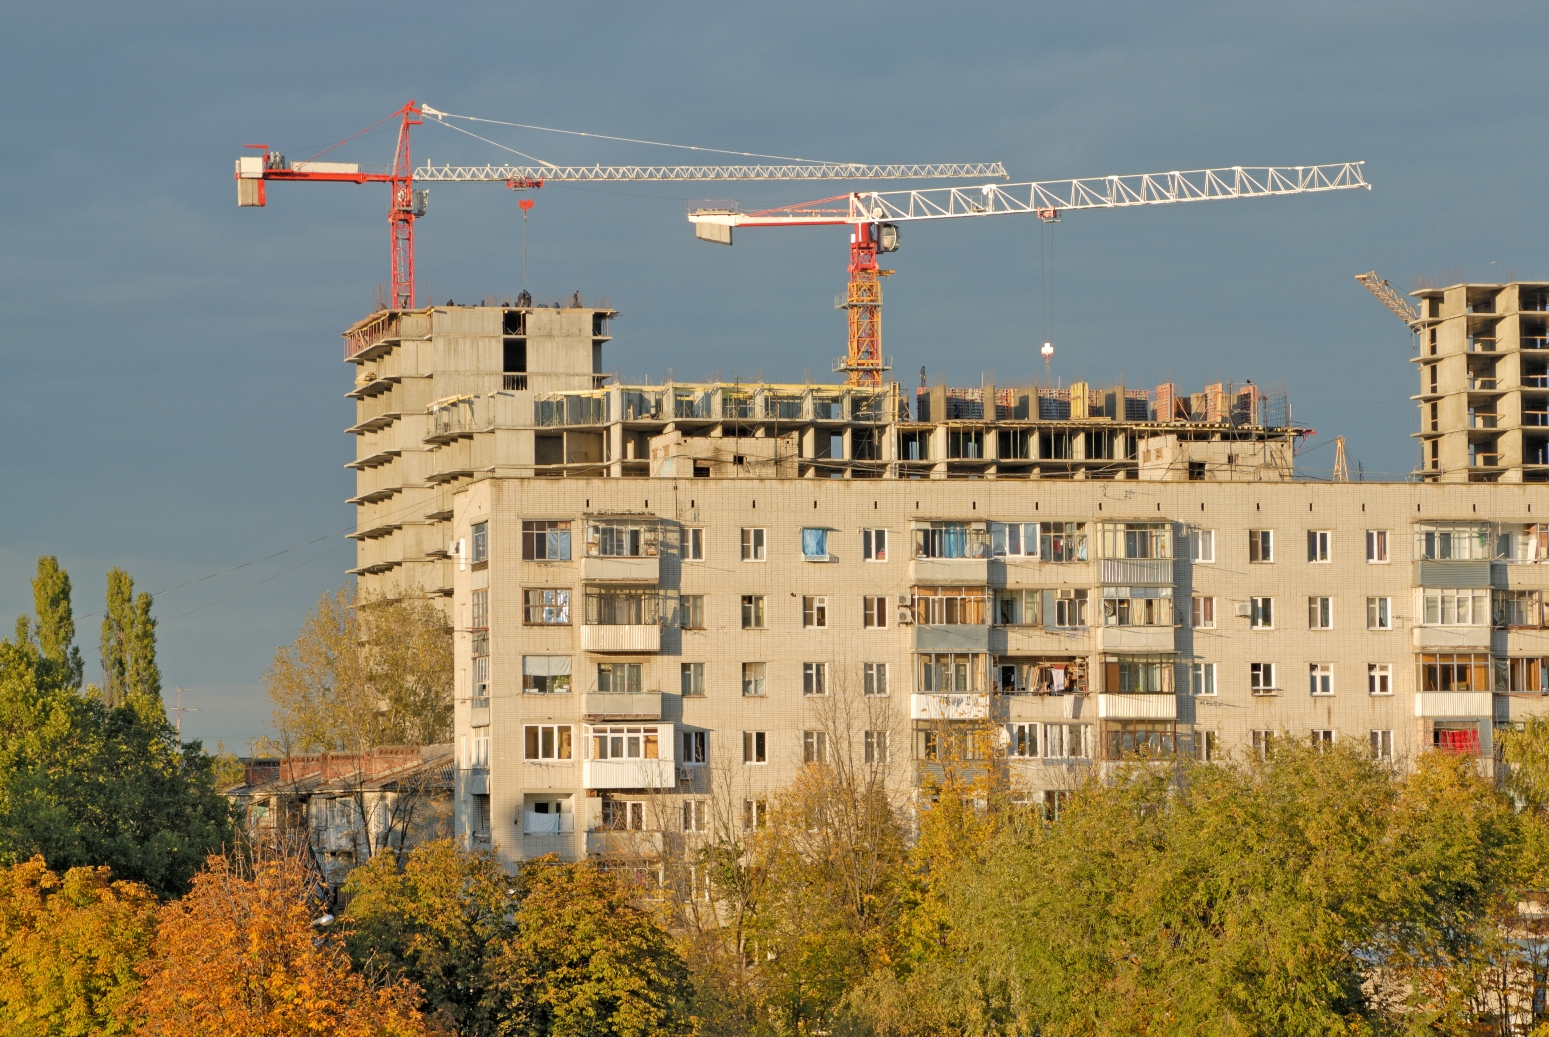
x=903 y=599
x=1245 y=611
x=685 y=776
x=905 y=617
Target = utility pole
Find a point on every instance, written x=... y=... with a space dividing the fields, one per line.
x=180 y=709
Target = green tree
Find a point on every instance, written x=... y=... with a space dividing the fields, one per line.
x=55 y=623
x=129 y=668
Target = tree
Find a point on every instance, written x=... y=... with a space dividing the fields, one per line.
x=129 y=670
x=56 y=621
x=439 y=922
x=69 y=947
x=586 y=962
x=241 y=955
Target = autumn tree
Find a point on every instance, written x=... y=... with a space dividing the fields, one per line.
x=69 y=947
x=241 y=954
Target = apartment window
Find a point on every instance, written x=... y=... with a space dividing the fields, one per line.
x=926 y=745
x=479 y=756
x=1379 y=613
x=1062 y=541
x=1322 y=738
x=1202 y=678
x=693 y=678
x=1379 y=679
x=1320 y=678
x=814 y=678
x=691 y=543
x=753 y=679
x=481 y=679
x=814 y=747
x=814 y=612
x=696 y=747
x=1261 y=614
x=546 y=674
x=1148 y=737
x=691 y=612
x=1465 y=541
x=1066 y=742
x=1382 y=745
x=1137 y=606
x=1203 y=613
x=480 y=543
x=1317 y=545
x=755 y=814
x=1202 y=545
x=874 y=678
x=939 y=606
x=1018 y=608
x=623 y=815
x=814 y=544
x=1519 y=608
x=1022 y=740
x=752 y=612
x=1135 y=539
x=617 y=538
x=1261 y=545
x=633 y=606
x=1207 y=746
x=752 y=545
x=876 y=747
x=1376 y=546
x=1016 y=539
x=1133 y=674
x=1069 y=608
x=626 y=743
x=1261 y=676
x=1448 y=671
x=545 y=541
x=1263 y=742
x=547 y=606
x=951 y=672
x=874 y=615
x=480 y=611
x=619 y=678
x=1320 y=613
x=548 y=741
x=1457 y=607
x=874 y=545
x=696 y=815
x=755 y=747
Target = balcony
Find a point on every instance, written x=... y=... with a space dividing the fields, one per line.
x=1452 y=573
x=953 y=637
x=476 y=781
x=1136 y=638
x=1535 y=381
x=513 y=382
x=1483 y=460
x=598 y=705
x=534 y=823
x=624 y=844
x=1130 y=706
x=1480 y=419
x=627 y=774
x=1462 y=704
x=944 y=705
x=601 y=637
x=478 y=715
x=1480 y=344
x=1131 y=571
x=1483 y=384
x=1444 y=638
x=633 y=570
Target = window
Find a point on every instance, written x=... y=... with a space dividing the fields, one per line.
x=1261 y=676
x=752 y=545
x=546 y=674
x=876 y=747
x=696 y=746
x=874 y=678
x=1202 y=678
x=1320 y=613
x=1062 y=541
x=1320 y=678
x=1382 y=745
x=481 y=679
x=691 y=612
x=621 y=538
x=1203 y=613
x=623 y=815
x=755 y=814
x=1022 y=740
x=1261 y=615
x=753 y=679
x=1376 y=546
x=1322 y=738
x=874 y=545
x=1135 y=539
x=1456 y=607
x=814 y=678
x=951 y=540
x=696 y=815
x=814 y=747
x=1202 y=545
x=1449 y=671
x=619 y=678
x=1444 y=541
x=1317 y=545
x=547 y=606
x=1519 y=608
x=625 y=743
x=926 y=745
x=1379 y=613
x=480 y=610
x=755 y=747
x=1207 y=746
x=1522 y=674
x=691 y=544
x=951 y=672
x=814 y=544
x=1261 y=545
x=480 y=543
x=1145 y=737
x=1135 y=674
x=479 y=757
x=1069 y=607
x=752 y=612
x=874 y=616
x=548 y=741
x=545 y=541
x=1137 y=606
x=1263 y=742
x=624 y=606
x=1066 y=742
x=1019 y=607
x=814 y=612
x=1456 y=736
x=1014 y=539
x=693 y=678
x=1379 y=679
x=939 y=606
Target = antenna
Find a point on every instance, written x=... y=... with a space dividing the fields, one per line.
x=180 y=709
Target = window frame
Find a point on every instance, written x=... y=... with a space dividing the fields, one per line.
x=1261 y=613
x=560 y=737
x=691 y=680
x=541 y=608
x=1320 y=679
x=819 y=534
x=1383 y=614
x=814 y=680
x=814 y=746
x=1377 y=543
x=755 y=748
x=814 y=611
x=632 y=674
x=1262 y=678
x=1381 y=743
x=1320 y=612
x=691 y=612
x=478 y=542
x=1202 y=680
x=1202 y=612
x=1379 y=679
x=1261 y=546
x=691 y=543
x=1196 y=538
x=535 y=531
x=1320 y=550
x=755 y=680
x=869 y=680
x=754 y=615
x=874 y=612
x=695 y=748
x=875 y=748
x=755 y=544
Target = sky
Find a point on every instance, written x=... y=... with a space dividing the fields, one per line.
x=171 y=384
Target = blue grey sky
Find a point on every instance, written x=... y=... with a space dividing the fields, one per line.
x=170 y=375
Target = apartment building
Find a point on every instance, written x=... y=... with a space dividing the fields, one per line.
x=669 y=599
x=1484 y=382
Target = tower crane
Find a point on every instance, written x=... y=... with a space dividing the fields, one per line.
x=1389 y=297
x=874 y=216
x=407 y=204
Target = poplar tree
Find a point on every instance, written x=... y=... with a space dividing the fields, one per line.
x=56 y=621
x=128 y=644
